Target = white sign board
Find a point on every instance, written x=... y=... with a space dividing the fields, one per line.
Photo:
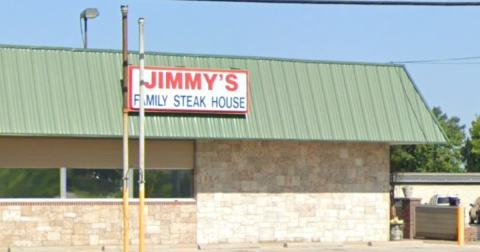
x=190 y=90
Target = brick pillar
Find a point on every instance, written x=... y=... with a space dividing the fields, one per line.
x=472 y=233
x=408 y=215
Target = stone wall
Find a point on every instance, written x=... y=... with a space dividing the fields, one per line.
x=246 y=192
x=276 y=191
x=93 y=223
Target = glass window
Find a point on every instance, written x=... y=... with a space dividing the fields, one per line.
x=29 y=183
x=94 y=183
x=443 y=200
x=166 y=183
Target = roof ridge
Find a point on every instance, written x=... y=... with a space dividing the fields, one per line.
x=53 y=48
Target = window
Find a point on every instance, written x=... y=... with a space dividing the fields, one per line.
x=29 y=183
x=49 y=167
x=166 y=183
x=94 y=183
x=442 y=201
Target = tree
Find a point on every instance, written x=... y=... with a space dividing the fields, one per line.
x=471 y=150
x=429 y=157
x=475 y=134
x=432 y=157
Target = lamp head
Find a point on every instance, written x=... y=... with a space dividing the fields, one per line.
x=89 y=13
x=124 y=9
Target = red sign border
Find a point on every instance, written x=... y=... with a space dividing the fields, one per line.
x=131 y=109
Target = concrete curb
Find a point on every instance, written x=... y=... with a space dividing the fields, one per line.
x=274 y=246
x=53 y=249
x=312 y=245
x=227 y=246
x=403 y=243
x=148 y=248
x=183 y=246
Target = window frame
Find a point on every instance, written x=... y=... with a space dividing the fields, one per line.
x=64 y=188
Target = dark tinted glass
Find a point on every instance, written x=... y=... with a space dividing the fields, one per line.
x=166 y=183
x=29 y=183
x=443 y=200
x=94 y=183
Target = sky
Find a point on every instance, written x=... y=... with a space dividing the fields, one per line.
x=374 y=34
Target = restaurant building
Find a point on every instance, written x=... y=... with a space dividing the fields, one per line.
x=305 y=160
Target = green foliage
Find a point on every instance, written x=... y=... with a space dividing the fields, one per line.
x=475 y=134
x=432 y=157
x=471 y=150
x=402 y=158
x=29 y=183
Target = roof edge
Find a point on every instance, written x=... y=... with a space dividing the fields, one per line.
x=71 y=49
x=426 y=104
x=46 y=135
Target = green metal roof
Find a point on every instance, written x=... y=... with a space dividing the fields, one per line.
x=77 y=93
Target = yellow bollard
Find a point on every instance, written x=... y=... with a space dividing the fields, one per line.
x=460 y=227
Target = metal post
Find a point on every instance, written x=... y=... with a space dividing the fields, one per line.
x=141 y=185
x=63 y=183
x=460 y=226
x=85 y=31
x=126 y=241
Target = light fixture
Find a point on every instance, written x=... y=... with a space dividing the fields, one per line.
x=88 y=13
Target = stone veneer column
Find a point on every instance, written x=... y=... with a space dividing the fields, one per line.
x=408 y=215
x=288 y=191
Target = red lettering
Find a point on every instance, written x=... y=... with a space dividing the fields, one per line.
x=231 y=79
x=209 y=80
x=160 y=80
x=174 y=82
x=195 y=83
x=153 y=83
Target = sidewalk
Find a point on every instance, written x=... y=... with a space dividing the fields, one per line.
x=391 y=246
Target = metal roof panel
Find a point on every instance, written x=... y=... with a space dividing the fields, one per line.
x=69 y=92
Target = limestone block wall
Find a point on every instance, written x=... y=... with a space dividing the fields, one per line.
x=275 y=191
x=93 y=223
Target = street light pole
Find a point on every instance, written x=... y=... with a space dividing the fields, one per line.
x=85 y=44
x=141 y=186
